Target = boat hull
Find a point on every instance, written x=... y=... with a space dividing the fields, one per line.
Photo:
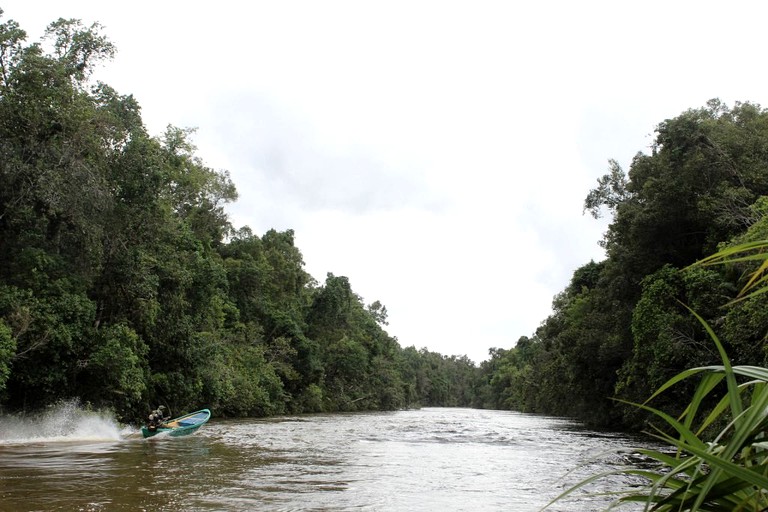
x=181 y=426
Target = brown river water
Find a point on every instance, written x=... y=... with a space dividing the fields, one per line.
x=430 y=459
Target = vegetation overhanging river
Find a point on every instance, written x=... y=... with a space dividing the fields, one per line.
x=428 y=459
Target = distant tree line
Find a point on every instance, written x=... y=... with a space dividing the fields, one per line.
x=123 y=282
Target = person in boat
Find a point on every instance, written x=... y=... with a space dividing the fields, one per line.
x=157 y=418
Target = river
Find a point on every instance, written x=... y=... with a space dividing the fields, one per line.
x=431 y=459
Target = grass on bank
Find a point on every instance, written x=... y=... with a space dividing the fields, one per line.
x=728 y=472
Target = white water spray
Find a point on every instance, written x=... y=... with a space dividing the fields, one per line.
x=67 y=421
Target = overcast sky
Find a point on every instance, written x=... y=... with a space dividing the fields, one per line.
x=436 y=153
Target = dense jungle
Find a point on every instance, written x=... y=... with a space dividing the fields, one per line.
x=124 y=283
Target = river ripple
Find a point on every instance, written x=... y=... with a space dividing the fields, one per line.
x=420 y=460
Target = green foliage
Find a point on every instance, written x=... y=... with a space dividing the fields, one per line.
x=666 y=339
x=509 y=378
x=114 y=373
x=238 y=381
x=7 y=352
x=619 y=329
x=360 y=363
x=611 y=191
x=440 y=380
x=569 y=367
x=311 y=399
x=123 y=282
x=726 y=471
x=78 y=48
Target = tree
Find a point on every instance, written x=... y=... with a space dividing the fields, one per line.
x=11 y=48
x=611 y=191
x=123 y=282
x=7 y=352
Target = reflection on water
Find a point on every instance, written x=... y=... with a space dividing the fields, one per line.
x=430 y=459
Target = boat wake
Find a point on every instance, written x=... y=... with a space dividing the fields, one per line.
x=66 y=421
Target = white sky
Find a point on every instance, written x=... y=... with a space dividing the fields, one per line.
x=437 y=153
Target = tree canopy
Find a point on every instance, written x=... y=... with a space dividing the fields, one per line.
x=124 y=283
x=621 y=328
